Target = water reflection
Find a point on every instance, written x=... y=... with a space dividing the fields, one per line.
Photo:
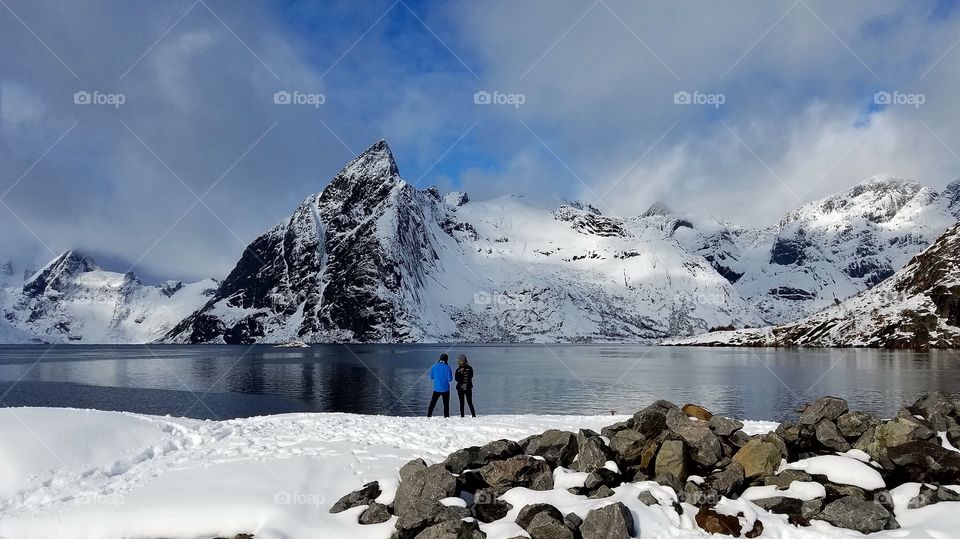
x=238 y=381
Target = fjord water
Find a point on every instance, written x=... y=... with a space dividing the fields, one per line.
x=221 y=382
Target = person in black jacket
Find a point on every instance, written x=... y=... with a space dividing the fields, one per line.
x=464 y=378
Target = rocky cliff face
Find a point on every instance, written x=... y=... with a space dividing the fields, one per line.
x=918 y=307
x=373 y=259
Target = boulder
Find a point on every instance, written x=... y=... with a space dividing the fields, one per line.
x=463 y=459
x=526 y=514
x=835 y=491
x=829 y=435
x=898 y=431
x=362 y=496
x=611 y=430
x=602 y=476
x=758 y=458
x=929 y=495
x=612 y=521
x=458 y=529
x=937 y=407
x=728 y=480
x=669 y=480
x=697 y=411
x=704 y=446
x=487 y=507
x=779 y=505
x=823 y=408
x=545 y=526
x=572 y=521
x=856 y=514
x=647 y=498
x=723 y=426
x=424 y=513
x=430 y=484
x=925 y=461
x=592 y=454
x=603 y=491
x=559 y=447
x=652 y=420
x=672 y=459
x=412 y=467
x=627 y=447
x=953 y=436
x=518 y=471
x=854 y=424
x=783 y=479
x=375 y=514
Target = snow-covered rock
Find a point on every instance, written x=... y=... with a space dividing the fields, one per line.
x=72 y=299
x=373 y=259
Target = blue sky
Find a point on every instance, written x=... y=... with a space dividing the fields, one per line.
x=198 y=160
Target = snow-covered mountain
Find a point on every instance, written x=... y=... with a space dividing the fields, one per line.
x=918 y=307
x=72 y=299
x=829 y=249
x=372 y=258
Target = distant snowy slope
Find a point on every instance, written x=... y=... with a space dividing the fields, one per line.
x=918 y=307
x=373 y=259
x=72 y=299
x=829 y=249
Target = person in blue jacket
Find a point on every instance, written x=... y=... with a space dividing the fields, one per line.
x=442 y=375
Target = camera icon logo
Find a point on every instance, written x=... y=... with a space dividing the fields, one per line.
x=281 y=98
x=682 y=98
x=482 y=98
x=882 y=98
x=81 y=98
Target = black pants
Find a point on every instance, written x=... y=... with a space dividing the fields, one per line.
x=446 y=403
x=468 y=393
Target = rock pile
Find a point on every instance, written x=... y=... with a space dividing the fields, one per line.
x=796 y=471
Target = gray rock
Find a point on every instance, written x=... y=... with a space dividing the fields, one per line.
x=603 y=491
x=375 y=514
x=627 y=447
x=652 y=420
x=453 y=529
x=519 y=471
x=412 y=467
x=672 y=459
x=612 y=521
x=557 y=446
x=728 y=480
x=647 y=498
x=836 y=491
x=602 y=476
x=499 y=450
x=953 y=436
x=463 y=459
x=527 y=512
x=854 y=424
x=823 y=408
x=487 y=507
x=704 y=446
x=829 y=435
x=780 y=505
x=544 y=526
x=936 y=407
x=362 y=496
x=925 y=461
x=898 y=431
x=758 y=458
x=592 y=454
x=611 y=430
x=856 y=514
x=931 y=495
x=724 y=426
x=783 y=479
x=425 y=513
x=427 y=485
x=670 y=480
x=572 y=521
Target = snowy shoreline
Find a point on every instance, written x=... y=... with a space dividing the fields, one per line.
x=73 y=473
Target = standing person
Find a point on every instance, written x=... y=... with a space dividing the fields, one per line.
x=441 y=375
x=465 y=383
